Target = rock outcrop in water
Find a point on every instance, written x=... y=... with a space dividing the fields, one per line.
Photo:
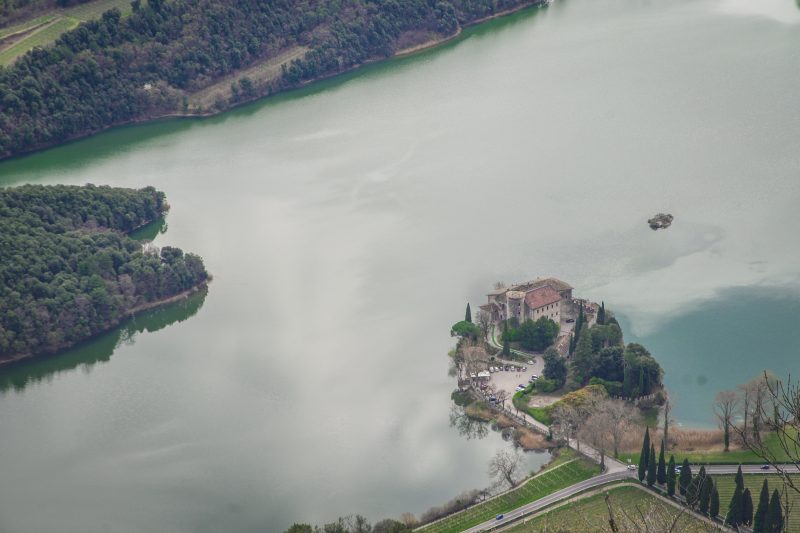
x=660 y=221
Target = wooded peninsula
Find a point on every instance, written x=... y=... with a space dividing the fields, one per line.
x=69 y=270
x=156 y=61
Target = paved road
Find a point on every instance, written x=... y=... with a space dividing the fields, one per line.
x=553 y=498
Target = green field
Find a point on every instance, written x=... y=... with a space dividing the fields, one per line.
x=56 y=23
x=726 y=484
x=734 y=457
x=590 y=515
x=555 y=478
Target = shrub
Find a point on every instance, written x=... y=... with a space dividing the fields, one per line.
x=545 y=385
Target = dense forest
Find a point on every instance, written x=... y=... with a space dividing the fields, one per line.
x=118 y=69
x=69 y=271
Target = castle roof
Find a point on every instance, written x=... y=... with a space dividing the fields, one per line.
x=542 y=296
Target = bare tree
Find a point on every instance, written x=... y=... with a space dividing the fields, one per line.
x=725 y=404
x=505 y=465
x=484 y=322
x=615 y=418
x=475 y=360
x=499 y=285
x=566 y=423
x=502 y=396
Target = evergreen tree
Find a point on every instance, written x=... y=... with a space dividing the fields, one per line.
x=671 y=476
x=506 y=343
x=601 y=314
x=644 y=455
x=693 y=492
x=747 y=507
x=468 y=316
x=713 y=510
x=641 y=381
x=651 y=466
x=740 y=478
x=705 y=493
x=734 y=517
x=661 y=473
x=582 y=361
x=774 y=522
x=761 y=512
x=685 y=478
x=626 y=381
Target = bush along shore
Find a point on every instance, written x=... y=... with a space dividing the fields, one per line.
x=154 y=63
x=70 y=271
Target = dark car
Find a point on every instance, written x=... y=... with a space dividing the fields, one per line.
x=764 y=467
x=570 y=320
x=498 y=517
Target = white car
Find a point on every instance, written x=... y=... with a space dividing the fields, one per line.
x=530 y=362
x=534 y=377
x=632 y=467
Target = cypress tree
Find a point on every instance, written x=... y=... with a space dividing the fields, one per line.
x=705 y=493
x=641 y=381
x=693 y=492
x=651 y=466
x=506 y=343
x=735 y=508
x=671 y=476
x=468 y=316
x=740 y=478
x=601 y=314
x=774 y=522
x=761 y=512
x=661 y=473
x=644 y=455
x=747 y=508
x=685 y=477
x=714 y=507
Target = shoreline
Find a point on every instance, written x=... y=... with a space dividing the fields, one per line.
x=126 y=315
x=177 y=115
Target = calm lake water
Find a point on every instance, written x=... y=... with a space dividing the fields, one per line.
x=347 y=225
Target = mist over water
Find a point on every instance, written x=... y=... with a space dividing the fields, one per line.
x=347 y=225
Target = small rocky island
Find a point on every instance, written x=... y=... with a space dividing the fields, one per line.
x=660 y=221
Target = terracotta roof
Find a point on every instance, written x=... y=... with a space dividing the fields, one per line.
x=542 y=296
x=555 y=283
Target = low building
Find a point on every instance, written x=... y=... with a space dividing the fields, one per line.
x=548 y=297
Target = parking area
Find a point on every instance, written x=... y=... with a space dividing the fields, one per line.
x=508 y=380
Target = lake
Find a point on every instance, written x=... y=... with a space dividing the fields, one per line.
x=347 y=224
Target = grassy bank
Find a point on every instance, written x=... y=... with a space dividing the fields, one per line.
x=718 y=457
x=563 y=472
x=590 y=514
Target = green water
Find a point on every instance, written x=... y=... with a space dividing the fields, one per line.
x=347 y=224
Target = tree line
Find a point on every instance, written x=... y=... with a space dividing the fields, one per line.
x=69 y=271
x=116 y=69
x=700 y=492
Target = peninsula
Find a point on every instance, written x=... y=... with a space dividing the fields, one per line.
x=69 y=269
x=159 y=60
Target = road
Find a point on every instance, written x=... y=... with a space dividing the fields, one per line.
x=550 y=499
x=602 y=479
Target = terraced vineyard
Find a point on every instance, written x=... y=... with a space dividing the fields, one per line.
x=590 y=514
x=554 y=479
x=726 y=484
x=43 y=30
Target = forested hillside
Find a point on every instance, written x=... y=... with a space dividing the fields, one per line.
x=67 y=269
x=117 y=70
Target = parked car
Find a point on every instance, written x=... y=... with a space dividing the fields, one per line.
x=530 y=362
x=570 y=320
x=524 y=368
x=492 y=398
x=534 y=377
x=632 y=467
x=520 y=388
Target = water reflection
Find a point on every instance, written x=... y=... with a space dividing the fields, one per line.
x=150 y=231
x=467 y=426
x=99 y=349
